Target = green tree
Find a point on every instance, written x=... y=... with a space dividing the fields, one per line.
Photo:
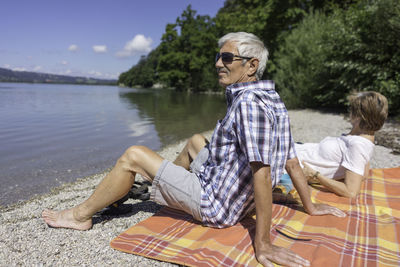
x=186 y=60
x=270 y=20
x=327 y=57
x=144 y=73
x=301 y=74
x=366 y=56
x=185 y=57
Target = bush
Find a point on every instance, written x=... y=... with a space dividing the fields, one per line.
x=300 y=63
x=327 y=57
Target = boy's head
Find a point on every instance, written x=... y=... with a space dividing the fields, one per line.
x=371 y=108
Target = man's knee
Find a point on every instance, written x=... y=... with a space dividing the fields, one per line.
x=133 y=156
x=197 y=137
x=197 y=140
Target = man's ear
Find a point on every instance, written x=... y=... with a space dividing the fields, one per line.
x=253 y=66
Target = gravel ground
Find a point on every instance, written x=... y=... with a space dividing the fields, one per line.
x=26 y=240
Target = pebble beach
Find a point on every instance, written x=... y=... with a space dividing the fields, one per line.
x=25 y=240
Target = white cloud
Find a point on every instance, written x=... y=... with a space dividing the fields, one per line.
x=64 y=62
x=110 y=76
x=7 y=66
x=138 y=44
x=100 y=75
x=37 y=68
x=73 y=48
x=66 y=72
x=95 y=73
x=19 y=69
x=100 y=48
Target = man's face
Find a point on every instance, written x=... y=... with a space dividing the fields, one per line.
x=232 y=72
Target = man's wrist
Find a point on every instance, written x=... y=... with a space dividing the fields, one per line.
x=262 y=243
x=315 y=175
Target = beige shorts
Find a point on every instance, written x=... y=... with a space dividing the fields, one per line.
x=178 y=188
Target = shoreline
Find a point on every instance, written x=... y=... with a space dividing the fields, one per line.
x=27 y=240
x=165 y=152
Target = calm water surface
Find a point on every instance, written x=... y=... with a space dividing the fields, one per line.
x=52 y=134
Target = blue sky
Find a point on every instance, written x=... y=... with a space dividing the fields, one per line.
x=88 y=38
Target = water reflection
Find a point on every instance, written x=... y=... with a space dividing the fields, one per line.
x=51 y=134
x=175 y=115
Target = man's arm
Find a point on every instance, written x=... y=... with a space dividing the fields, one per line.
x=300 y=183
x=264 y=250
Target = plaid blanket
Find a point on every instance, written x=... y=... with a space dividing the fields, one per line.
x=368 y=236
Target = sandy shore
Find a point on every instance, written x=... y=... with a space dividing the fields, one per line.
x=26 y=240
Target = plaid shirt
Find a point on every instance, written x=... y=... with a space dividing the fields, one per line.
x=255 y=129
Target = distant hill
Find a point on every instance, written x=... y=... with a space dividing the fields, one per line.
x=7 y=75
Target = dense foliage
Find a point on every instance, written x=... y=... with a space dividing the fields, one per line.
x=186 y=60
x=143 y=73
x=320 y=50
x=327 y=57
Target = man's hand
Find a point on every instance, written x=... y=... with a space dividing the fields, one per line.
x=324 y=209
x=283 y=256
x=264 y=250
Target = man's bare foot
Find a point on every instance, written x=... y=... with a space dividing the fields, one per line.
x=65 y=219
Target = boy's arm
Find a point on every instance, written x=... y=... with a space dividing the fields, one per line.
x=300 y=183
x=264 y=250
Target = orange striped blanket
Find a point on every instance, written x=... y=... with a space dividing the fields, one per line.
x=368 y=236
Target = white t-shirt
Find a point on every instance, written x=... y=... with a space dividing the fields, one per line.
x=333 y=155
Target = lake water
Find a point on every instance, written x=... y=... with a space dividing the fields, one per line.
x=53 y=134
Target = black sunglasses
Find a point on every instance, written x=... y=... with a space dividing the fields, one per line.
x=227 y=57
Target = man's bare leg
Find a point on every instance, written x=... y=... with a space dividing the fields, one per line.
x=190 y=151
x=115 y=185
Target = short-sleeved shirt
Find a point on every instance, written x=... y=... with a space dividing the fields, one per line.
x=333 y=155
x=255 y=129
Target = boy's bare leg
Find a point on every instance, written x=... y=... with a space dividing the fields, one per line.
x=115 y=185
x=190 y=151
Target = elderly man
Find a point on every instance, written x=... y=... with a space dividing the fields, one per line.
x=219 y=182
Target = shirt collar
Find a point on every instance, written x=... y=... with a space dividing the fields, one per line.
x=234 y=89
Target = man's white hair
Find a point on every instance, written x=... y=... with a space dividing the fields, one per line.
x=248 y=45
